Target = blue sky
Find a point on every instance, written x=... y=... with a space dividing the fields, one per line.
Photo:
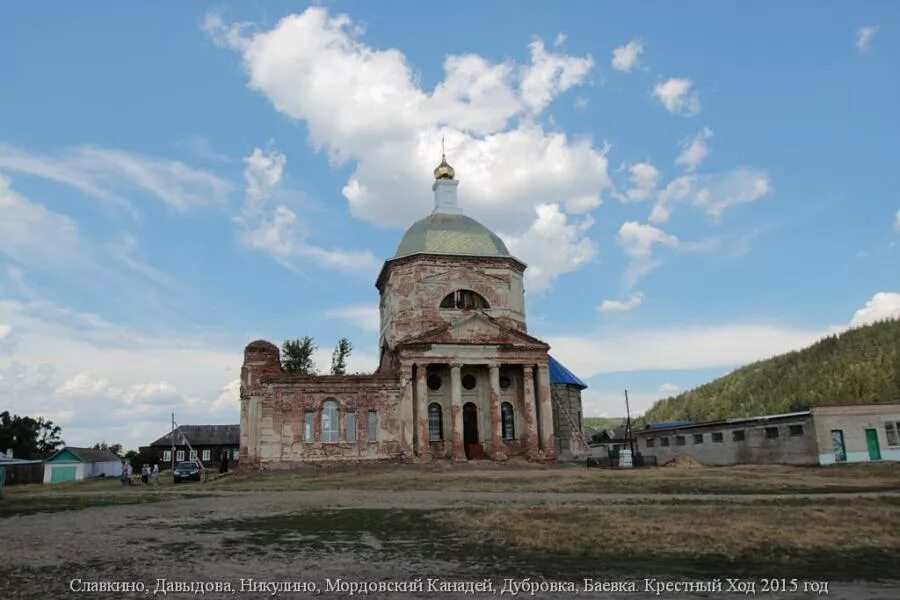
x=694 y=186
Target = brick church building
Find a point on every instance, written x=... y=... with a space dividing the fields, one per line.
x=459 y=377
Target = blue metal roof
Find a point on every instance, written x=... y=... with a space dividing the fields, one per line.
x=669 y=424
x=560 y=374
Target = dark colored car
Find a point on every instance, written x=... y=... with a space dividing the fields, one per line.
x=186 y=471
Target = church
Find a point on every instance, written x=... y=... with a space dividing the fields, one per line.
x=459 y=377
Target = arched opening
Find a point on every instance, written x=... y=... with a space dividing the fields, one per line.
x=470 y=423
x=464 y=300
x=507 y=421
x=435 y=423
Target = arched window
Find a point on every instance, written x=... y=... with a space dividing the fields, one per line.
x=508 y=421
x=435 y=423
x=464 y=299
x=329 y=421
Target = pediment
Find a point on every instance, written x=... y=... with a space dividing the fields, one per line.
x=476 y=328
x=462 y=276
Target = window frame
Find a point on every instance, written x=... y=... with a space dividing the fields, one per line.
x=167 y=456
x=698 y=438
x=795 y=430
x=330 y=428
x=372 y=426
x=507 y=421
x=435 y=422
x=680 y=440
x=664 y=442
x=464 y=299
x=205 y=454
x=717 y=437
x=350 y=427
x=892 y=433
x=309 y=426
x=773 y=436
x=650 y=442
x=192 y=455
x=179 y=456
x=738 y=435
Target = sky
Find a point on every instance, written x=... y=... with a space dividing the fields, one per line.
x=693 y=185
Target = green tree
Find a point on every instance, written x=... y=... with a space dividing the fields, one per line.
x=28 y=438
x=296 y=355
x=339 y=357
x=114 y=448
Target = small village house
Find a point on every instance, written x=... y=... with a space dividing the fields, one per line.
x=206 y=443
x=75 y=464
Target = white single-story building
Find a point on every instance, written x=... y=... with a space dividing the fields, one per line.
x=75 y=464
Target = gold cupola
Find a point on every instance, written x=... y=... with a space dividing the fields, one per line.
x=444 y=170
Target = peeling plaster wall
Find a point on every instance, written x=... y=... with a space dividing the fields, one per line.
x=412 y=289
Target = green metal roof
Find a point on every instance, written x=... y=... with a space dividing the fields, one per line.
x=442 y=233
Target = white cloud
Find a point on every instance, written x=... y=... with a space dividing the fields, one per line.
x=560 y=39
x=712 y=193
x=627 y=57
x=552 y=246
x=694 y=150
x=864 y=37
x=634 y=300
x=668 y=388
x=897 y=221
x=366 y=105
x=883 y=305
x=644 y=177
x=273 y=227
x=111 y=175
x=677 y=348
x=676 y=95
x=638 y=239
x=365 y=317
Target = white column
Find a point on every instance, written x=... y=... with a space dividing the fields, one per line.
x=459 y=451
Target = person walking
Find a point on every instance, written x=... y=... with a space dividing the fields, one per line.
x=154 y=475
x=123 y=476
x=129 y=473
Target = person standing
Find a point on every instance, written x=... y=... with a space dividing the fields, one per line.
x=129 y=473
x=154 y=475
x=123 y=476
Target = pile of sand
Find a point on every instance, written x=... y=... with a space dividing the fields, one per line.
x=683 y=462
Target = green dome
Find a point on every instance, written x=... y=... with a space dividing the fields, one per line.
x=442 y=233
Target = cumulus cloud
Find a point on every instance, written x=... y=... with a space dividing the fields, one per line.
x=668 y=388
x=883 y=305
x=627 y=57
x=111 y=175
x=714 y=193
x=552 y=246
x=273 y=227
x=676 y=95
x=644 y=177
x=638 y=239
x=366 y=105
x=694 y=150
x=634 y=300
x=864 y=37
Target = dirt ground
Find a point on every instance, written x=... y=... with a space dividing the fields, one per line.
x=208 y=533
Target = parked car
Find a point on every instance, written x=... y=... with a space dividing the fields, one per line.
x=186 y=471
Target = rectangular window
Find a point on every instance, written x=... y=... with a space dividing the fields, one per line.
x=718 y=437
x=193 y=455
x=796 y=429
x=651 y=442
x=236 y=453
x=167 y=455
x=679 y=440
x=892 y=432
x=350 y=425
x=206 y=455
x=179 y=455
x=771 y=432
x=308 y=420
x=373 y=426
x=737 y=435
x=698 y=438
x=664 y=441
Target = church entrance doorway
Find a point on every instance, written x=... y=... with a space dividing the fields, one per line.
x=470 y=432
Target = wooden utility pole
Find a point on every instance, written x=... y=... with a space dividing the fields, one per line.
x=628 y=437
x=173 y=443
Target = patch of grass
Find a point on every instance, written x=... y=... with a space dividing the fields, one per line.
x=832 y=539
x=568 y=479
x=26 y=505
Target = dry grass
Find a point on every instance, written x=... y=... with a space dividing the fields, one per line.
x=808 y=536
x=562 y=479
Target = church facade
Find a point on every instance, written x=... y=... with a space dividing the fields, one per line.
x=459 y=377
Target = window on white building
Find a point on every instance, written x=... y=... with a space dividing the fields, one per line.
x=892 y=432
x=329 y=421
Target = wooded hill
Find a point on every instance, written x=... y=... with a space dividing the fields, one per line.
x=858 y=366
